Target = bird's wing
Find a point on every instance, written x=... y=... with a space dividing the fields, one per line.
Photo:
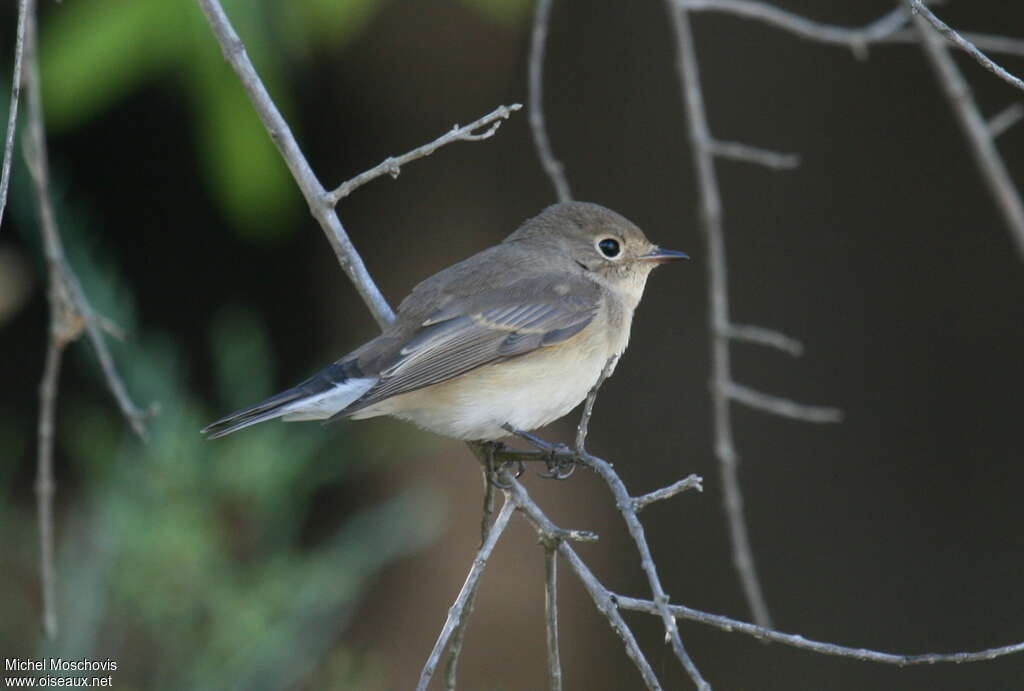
x=469 y=332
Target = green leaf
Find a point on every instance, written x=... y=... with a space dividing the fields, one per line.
x=94 y=52
x=246 y=172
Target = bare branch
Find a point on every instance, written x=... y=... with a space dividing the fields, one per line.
x=756 y=155
x=689 y=482
x=797 y=641
x=320 y=204
x=920 y=10
x=600 y=595
x=1005 y=119
x=45 y=484
x=12 y=115
x=765 y=337
x=551 y=610
x=855 y=38
x=393 y=164
x=718 y=315
x=626 y=506
x=538 y=40
x=458 y=608
x=888 y=29
x=776 y=405
x=583 y=428
x=979 y=137
x=1004 y=45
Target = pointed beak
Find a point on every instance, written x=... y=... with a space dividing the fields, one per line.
x=660 y=256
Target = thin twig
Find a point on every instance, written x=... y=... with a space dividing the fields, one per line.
x=718 y=291
x=765 y=337
x=797 y=641
x=855 y=38
x=77 y=301
x=458 y=608
x=393 y=164
x=783 y=407
x=920 y=10
x=538 y=40
x=551 y=611
x=979 y=137
x=485 y=455
x=890 y=28
x=45 y=484
x=627 y=508
x=12 y=115
x=583 y=427
x=319 y=201
x=598 y=593
x=70 y=313
x=1005 y=119
x=687 y=483
x=746 y=153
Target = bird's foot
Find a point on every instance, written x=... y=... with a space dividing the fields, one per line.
x=560 y=460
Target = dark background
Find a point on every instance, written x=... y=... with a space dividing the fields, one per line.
x=899 y=529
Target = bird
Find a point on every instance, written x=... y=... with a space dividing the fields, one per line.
x=514 y=337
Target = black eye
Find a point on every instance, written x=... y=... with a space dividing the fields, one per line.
x=609 y=247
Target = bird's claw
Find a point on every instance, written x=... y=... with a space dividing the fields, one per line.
x=560 y=463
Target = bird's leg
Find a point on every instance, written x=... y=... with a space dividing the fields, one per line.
x=560 y=459
x=494 y=468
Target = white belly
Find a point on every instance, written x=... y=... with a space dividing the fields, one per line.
x=526 y=392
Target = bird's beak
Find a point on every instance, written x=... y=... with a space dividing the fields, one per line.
x=660 y=256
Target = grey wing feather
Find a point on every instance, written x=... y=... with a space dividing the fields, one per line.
x=487 y=328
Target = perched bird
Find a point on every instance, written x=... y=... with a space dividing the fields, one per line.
x=514 y=335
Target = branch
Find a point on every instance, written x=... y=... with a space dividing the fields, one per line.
x=600 y=595
x=689 y=482
x=70 y=314
x=320 y=204
x=12 y=115
x=765 y=337
x=393 y=164
x=551 y=610
x=627 y=507
x=919 y=10
x=753 y=154
x=1005 y=119
x=855 y=38
x=783 y=407
x=718 y=314
x=45 y=484
x=458 y=608
x=979 y=136
x=797 y=641
x=890 y=28
x=583 y=428
x=552 y=166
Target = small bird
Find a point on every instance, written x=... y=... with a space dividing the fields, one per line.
x=515 y=335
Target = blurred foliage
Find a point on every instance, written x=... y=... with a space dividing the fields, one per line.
x=191 y=563
x=95 y=53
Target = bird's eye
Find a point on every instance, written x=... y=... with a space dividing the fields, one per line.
x=609 y=247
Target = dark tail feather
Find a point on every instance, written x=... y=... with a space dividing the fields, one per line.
x=276 y=405
x=265 y=410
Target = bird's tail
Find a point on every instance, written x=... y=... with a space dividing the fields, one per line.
x=273 y=407
x=318 y=398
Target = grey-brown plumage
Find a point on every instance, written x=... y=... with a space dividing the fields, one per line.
x=515 y=334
